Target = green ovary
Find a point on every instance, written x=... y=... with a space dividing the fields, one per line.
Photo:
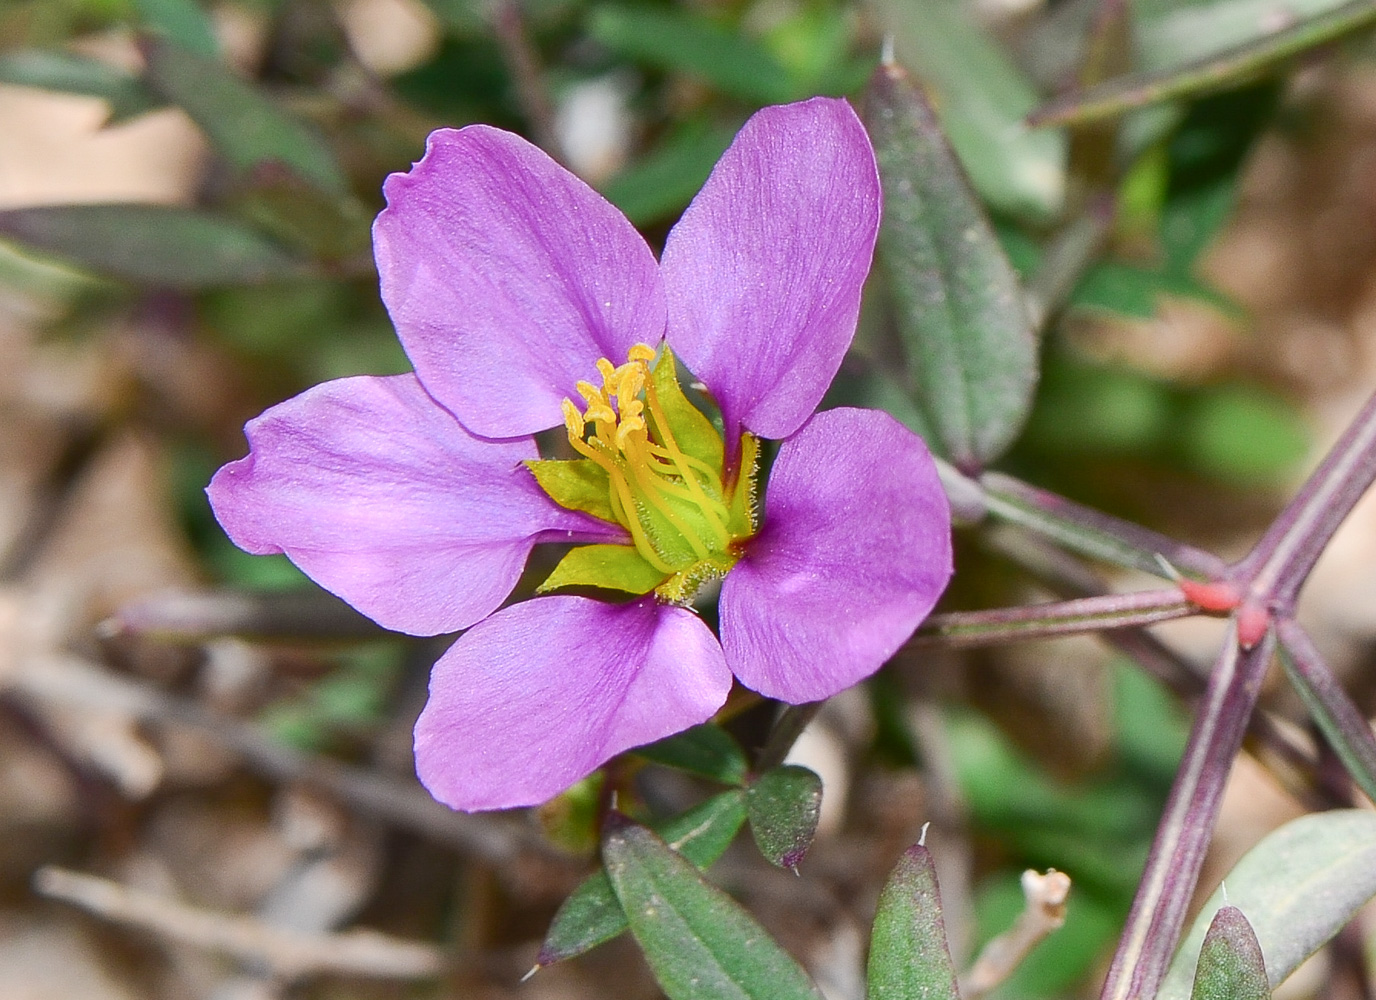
x=654 y=464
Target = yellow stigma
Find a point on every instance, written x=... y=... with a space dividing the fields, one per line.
x=672 y=504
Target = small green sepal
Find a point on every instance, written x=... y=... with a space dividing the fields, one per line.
x=691 y=429
x=614 y=567
x=580 y=484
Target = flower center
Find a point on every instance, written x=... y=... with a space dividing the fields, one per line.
x=657 y=463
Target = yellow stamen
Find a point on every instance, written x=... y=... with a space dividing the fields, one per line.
x=655 y=489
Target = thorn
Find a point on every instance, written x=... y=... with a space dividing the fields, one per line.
x=886 y=55
x=533 y=969
x=1224 y=887
x=1171 y=572
x=922 y=837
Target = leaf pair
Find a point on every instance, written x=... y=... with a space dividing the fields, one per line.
x=782 y=805
x=700 y=943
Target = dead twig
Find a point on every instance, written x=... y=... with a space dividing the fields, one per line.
x=287 y=954
x=65 y=679
x=1043 y=912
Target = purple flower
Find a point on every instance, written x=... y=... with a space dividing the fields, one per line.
x=513 y=287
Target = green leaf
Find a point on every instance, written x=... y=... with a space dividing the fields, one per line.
x=151 y=244
x=246 y=126
x=577 y=485
x=1230 y=962
x=592 y=915
x=1342 y=723
x=321 y=225
x=698 y=941
x=1300 y=885
x=909 y=958
x=70 y=73
x=960 y=308
x=706 y=750
x=983 y=97
x=691 y=44
x=182 y=22
x=666 y=179
x=1245 y=436
x=784 y=805
x=613 y=567
x=871 y=386
x=1172 y=32
x=1218 y=70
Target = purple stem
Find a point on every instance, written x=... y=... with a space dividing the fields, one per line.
x=1037 y=621
x=1277 y=567
x=1342 y=723
x=1065 y=573
x=1091 y=532
x=1177 y=853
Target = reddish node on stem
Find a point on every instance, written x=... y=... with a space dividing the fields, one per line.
x=1252 y=622
x=1217 y=596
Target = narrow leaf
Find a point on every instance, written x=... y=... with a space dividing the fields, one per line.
x=960 y=308
x=150 y=244
x=706 y=750
x=1301 y=885
x=1229 y=68
x=1169 y=33
x=1341 y=722
x=182 y=22
x=591 y=914
x=983 y=97
x=698 y=941
x=1230 y=962
x=689 y=43
x=784 y=805
x=71 y=73
x=909 y=958
x=247 y=126
x=666 y=179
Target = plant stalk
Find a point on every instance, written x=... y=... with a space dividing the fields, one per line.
x=1177 y=853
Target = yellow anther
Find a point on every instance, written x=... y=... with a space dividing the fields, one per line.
x=589 y=392
x=606 y=369
x=600 y=412
x=573 y=420
x=630 y=380
x=641 y=352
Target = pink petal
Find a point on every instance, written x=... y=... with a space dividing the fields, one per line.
x=542 y=693
x=854 y=552
x=383 y=498
x=763 y=273
x=507 y=278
